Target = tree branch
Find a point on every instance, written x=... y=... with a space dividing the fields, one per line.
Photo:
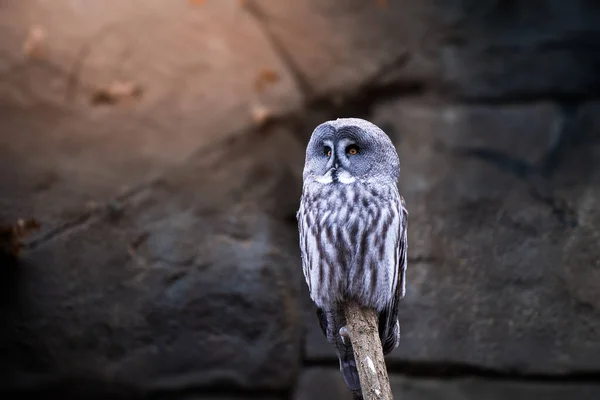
x=362 y=330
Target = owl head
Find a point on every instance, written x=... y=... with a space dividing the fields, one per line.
x=347 y=150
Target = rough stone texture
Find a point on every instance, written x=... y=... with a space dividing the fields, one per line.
x=187 y=286
x=495 y=210
x=234 y=397
x=322 y=384
x=469 y=49
x=197 y=67
x=331 y=49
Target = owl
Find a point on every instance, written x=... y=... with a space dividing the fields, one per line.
x=353 y=231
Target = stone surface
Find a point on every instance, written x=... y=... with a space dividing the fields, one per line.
x=323 y=383
x=580 y=259
x=249 y=396
x=468 y=49
x=197 y=67
x=488 y=50
x=193 y=283
x=332 y=50
x=495 y=210
x=189 y=285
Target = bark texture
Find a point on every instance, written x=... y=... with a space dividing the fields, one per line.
x=361 y=325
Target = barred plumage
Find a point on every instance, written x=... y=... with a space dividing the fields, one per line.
x=353 y=230
x=349 y=236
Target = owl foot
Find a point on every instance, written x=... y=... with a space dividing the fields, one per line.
x=344 y=334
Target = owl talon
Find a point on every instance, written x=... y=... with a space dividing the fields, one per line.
x=344 y=334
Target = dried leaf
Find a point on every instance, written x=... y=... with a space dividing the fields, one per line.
x=381 y=3
x=11 y=236
x=197 y=2
x=265 y=77
x=116 y=92
x=35 y=45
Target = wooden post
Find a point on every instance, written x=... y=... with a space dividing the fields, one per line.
x=362 y=330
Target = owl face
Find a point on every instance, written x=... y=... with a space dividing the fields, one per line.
x=348 y=150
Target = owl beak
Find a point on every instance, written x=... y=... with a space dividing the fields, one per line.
x=335 y=166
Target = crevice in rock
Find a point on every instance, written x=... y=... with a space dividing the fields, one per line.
x=88 y=388
x=359 y=104
x=452 y=370
x=180 y=388
x=224 y=391
x=284 y=55
x=112 y=209
x=540 y=187
x=188 y=262
x=71 y=388
x=505 y=162
x=567 y=134
x=538 y=176
x=373 y=92
x=519 y=99
x=59 y=230
x=541 y=191
x=21 y=69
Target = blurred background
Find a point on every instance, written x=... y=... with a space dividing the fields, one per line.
x=151 y=154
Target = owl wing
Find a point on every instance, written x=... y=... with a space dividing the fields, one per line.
x=388 y=319
x=303 y=231
x=402 y=250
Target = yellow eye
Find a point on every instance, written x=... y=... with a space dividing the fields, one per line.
x=327 y=151
x=352 y=150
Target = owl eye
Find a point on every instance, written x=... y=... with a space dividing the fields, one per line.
x=327 y=151
x=352 y=149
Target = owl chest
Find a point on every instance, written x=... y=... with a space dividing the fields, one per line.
x=344 y=229
x=345 y=219
x=344 y=211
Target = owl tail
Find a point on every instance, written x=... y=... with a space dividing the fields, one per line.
x=331 y=321
x=350 y=373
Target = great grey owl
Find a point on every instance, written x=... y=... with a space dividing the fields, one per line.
x=353 y=231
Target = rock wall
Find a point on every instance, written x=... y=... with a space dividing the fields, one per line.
x=160 y=146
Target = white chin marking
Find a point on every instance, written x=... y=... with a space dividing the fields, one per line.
x=325 y=178
x=346 y=178
x=343 y=177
